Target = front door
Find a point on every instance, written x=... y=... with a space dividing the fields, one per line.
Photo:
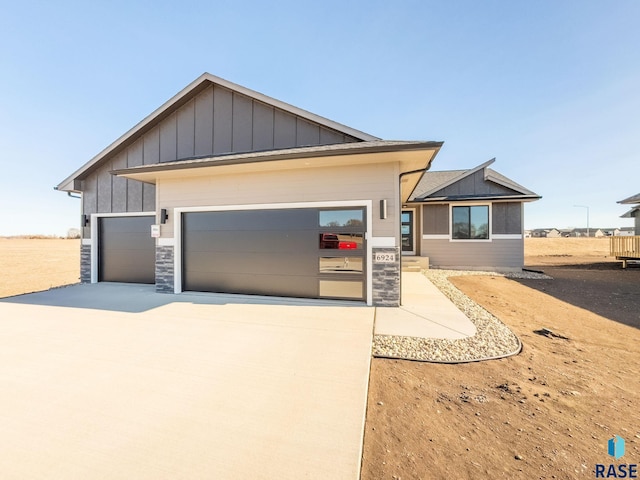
x=407 y=230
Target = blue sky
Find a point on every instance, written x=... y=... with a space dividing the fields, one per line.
x=549 y=88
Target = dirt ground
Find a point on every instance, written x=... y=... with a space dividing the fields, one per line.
x=545 y=413
x=31 y=265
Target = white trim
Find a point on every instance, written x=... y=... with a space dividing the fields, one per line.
x=166 y=242
x=507 y=236
x=433 y=236
x=383 y=242
x=177 y=225
x=94 y=236
x=86 y=241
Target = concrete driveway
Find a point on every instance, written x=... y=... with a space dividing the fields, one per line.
x=113 y=381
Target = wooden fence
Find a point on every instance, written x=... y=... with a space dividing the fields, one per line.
x=625 y=247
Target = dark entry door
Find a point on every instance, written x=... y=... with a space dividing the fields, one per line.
x=126 y=250
x=407 y=231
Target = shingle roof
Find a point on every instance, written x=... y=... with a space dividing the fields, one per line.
x=491 y=174
x=633 y=199
x=631 y=213
x=432 y=182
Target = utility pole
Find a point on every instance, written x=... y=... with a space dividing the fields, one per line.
x=584 y=206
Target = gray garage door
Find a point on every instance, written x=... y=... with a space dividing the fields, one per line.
x=286 y=252
x=126 y=250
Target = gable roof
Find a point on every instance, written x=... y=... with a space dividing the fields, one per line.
x=190 y=91
x=634 y=212
x=433 y=182
x=632 y=199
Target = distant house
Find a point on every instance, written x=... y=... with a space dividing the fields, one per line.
x=624 y=232
x=471 y=219
x=634 y=212
x=544 y=233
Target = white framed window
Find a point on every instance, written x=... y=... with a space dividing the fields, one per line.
x=470 y=222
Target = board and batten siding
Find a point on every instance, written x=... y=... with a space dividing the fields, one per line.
x=498 y=253
x=472 y=185
x=216 y=121
x=349 y=182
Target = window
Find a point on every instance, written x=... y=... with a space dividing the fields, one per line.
x=342 y=218
x=470 y=223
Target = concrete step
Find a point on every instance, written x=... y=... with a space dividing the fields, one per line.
x=415 y=264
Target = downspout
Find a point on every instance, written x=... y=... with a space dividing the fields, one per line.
x=412 y=172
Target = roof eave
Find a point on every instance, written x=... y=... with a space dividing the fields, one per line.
x=631 y=200
x=288 y=154
x=523 y=198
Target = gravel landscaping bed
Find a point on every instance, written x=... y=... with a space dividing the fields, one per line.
x=493 y=338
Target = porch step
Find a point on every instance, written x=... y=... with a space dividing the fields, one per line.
x=415 y=264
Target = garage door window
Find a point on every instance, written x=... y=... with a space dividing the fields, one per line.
x=341 y=218
x=341 y=260
x=340 y=265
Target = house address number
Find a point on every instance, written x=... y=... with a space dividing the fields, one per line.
x=381 y=257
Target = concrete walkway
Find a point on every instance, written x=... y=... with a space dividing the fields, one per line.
x=115 y=381
x=425 y=312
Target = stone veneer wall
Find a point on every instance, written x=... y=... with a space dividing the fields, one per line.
x=386 y=279
x=85 y=263
x=164 y=269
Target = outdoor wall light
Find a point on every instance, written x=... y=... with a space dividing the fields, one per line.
x=163 y=216
x=383 y=209
x=84 y=220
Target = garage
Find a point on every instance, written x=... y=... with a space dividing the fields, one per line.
x=126 y=250
x=292 y=252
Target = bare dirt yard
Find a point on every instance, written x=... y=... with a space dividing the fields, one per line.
x=545 y=413
x=31 y=265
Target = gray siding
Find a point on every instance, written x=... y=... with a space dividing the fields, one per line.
x=506 y=218
x=474 y=184
x=435 y=219
x=215 y=121
x=119 y=185
x=496 y=254
x=185 y=133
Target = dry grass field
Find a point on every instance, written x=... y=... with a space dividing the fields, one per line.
x=563 y=251
x=31 y=265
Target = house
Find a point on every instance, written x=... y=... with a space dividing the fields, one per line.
x=224 y=189
x=634 y=212
x=624 y=232
x=547 y=233
x=467 y=219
